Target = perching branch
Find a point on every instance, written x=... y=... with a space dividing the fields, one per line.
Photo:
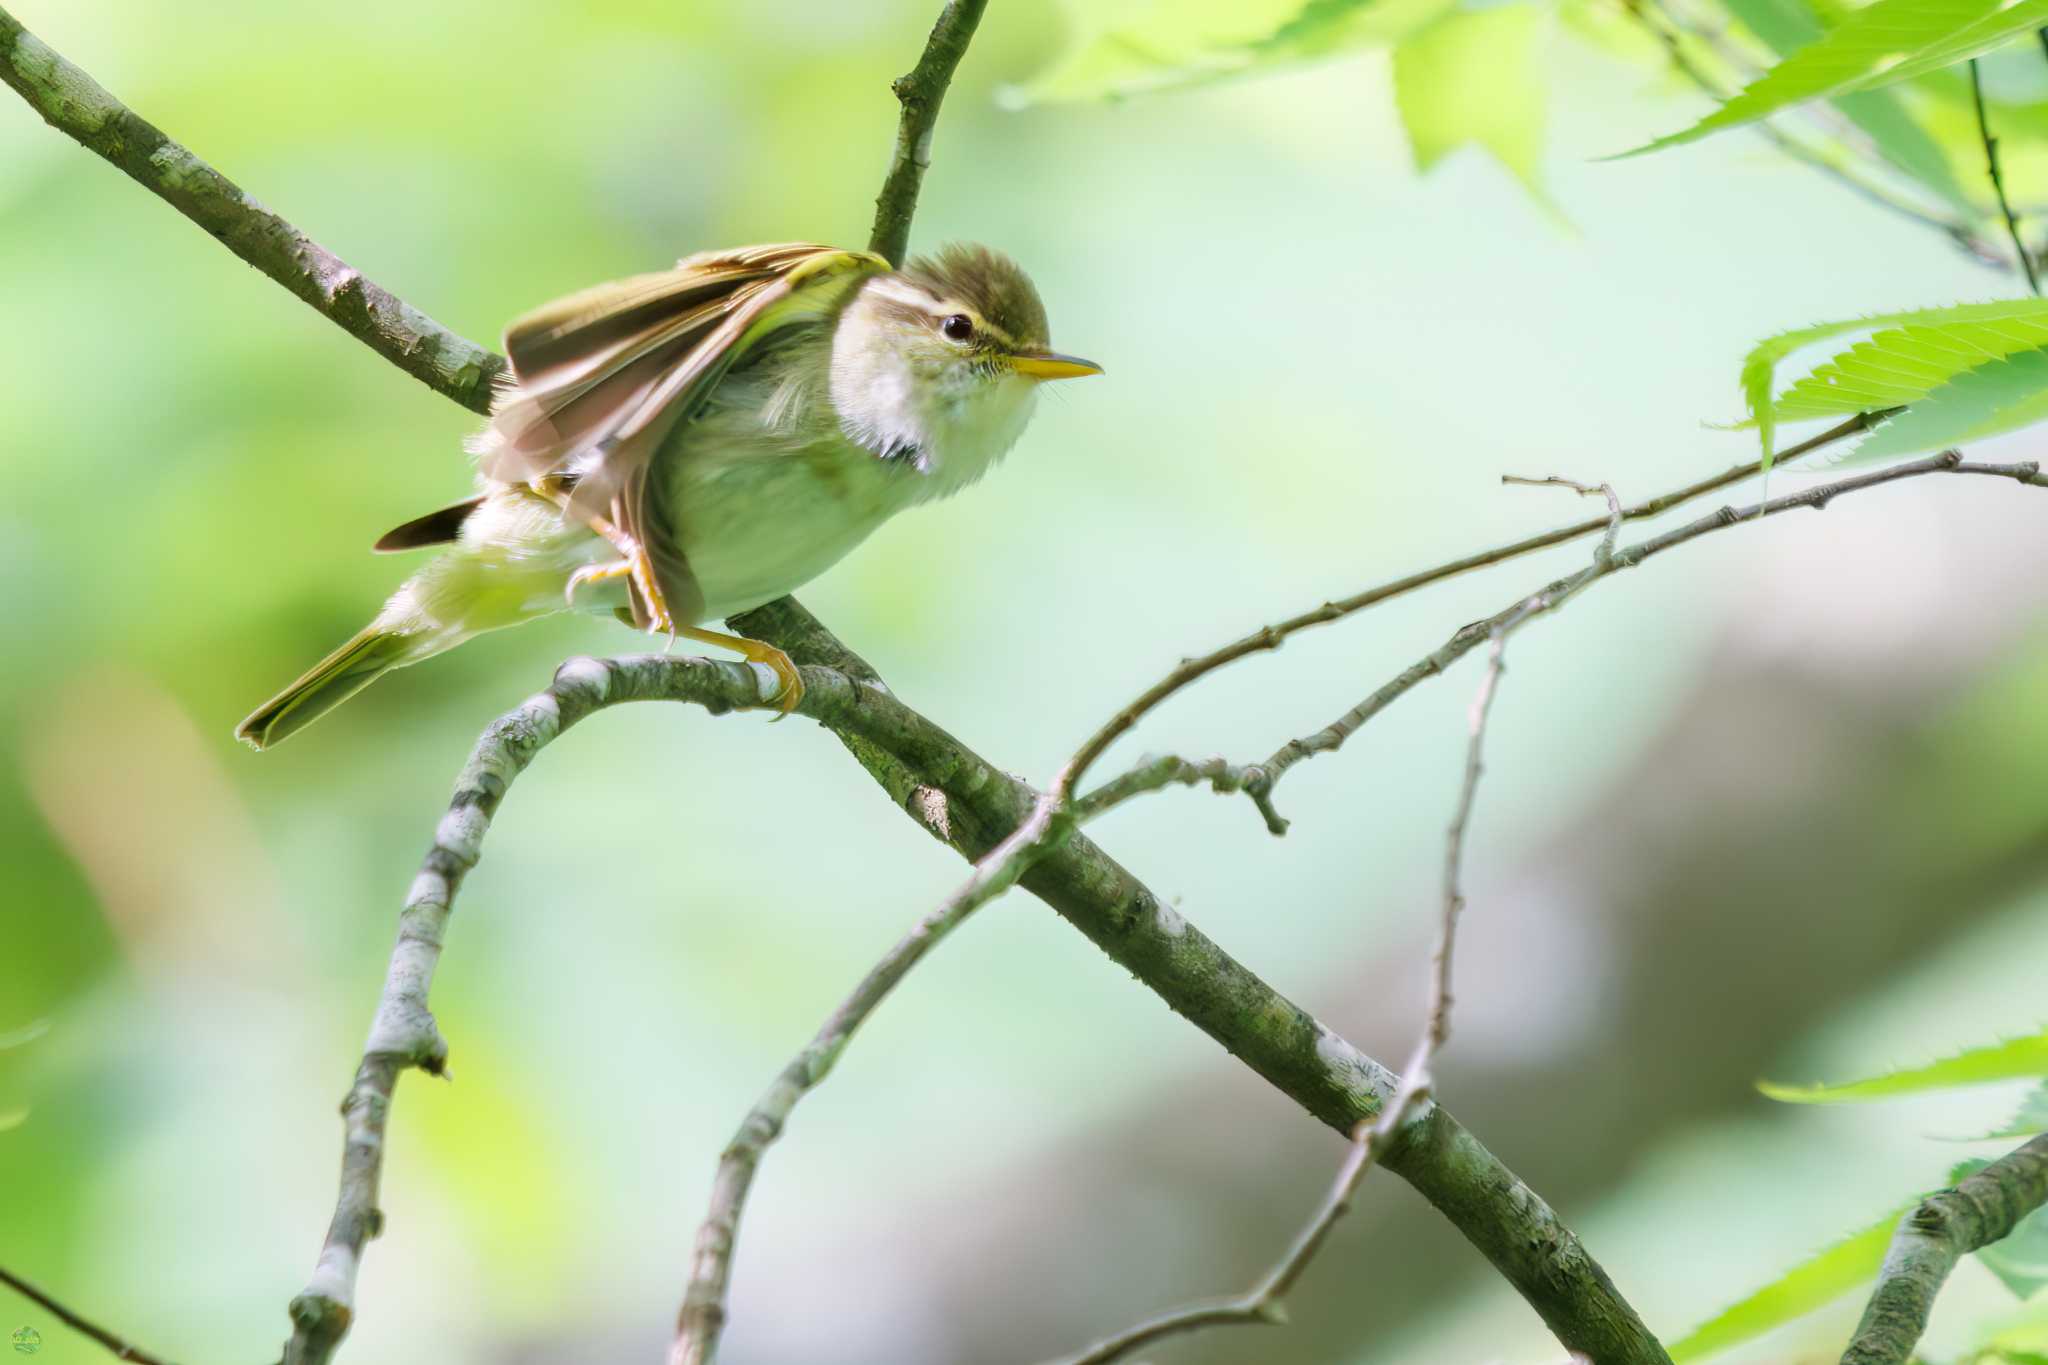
x=1941 y=1230
x=920 y=92
x=74 y=104
x=122 y=1348
x=2012 y=224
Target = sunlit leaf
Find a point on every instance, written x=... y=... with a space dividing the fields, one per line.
x=1907 y=356
x=2005 y=1061
x=1788 y=25
x=1883 y=43
x=1474 y=78
x=1998 y=396
x=1805 y=1287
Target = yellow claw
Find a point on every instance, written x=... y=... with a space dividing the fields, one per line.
x=791 y=694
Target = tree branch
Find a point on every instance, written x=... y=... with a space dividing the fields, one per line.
x=1260 y=779
x=1941 y=1230
x=2012 y=224
x=122 y=1348
x=920 y=92
x=74 y=104
x=1273 y=636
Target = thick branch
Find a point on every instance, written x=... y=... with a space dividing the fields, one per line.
x=1940 y=1231
x=920 y=92
x=74 y=104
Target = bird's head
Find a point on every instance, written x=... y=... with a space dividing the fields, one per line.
x=939 y=362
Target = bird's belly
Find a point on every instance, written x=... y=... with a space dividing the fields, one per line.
x=755 y=526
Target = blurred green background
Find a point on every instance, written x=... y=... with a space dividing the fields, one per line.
x=1770 y=806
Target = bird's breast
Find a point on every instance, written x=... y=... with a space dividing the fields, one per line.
x=759 y=516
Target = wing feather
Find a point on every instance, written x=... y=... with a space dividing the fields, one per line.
x=605 y=377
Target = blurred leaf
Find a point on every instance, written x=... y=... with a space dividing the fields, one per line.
x=12 y=1118
x=1788 y=25
x=27 y=1033
x=2005 y=1061
x=1884 y=43
x=1173 y=44
x=1800 y=1290
x=1998 y=396
x=2020 y=1259
x=1888 y=369
x=1474 y=77
x=2032 y=1117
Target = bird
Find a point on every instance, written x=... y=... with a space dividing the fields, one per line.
x=686 y=445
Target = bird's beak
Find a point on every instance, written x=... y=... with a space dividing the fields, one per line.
x=1047 y=365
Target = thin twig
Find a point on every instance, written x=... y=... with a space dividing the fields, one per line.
x=703 y=1314
x=76 y=105
x=1273 y=636
x=1939 y=1231
x=1265 y=1303
x=920 y=93
x=1260 y=779
x=122 y=1348
x=2012 y=224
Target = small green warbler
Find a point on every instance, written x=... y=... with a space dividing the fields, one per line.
x=684 y=446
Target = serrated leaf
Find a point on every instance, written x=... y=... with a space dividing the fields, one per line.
x=1143 y=48
x=2005 y=1061
x=1813 y=1282
x=1872 y=374
x=1788 y=25
x=2020 y=1258
x=2031 y=1118
x=1879 y=45
x=1474 y=77
x=1998 y=396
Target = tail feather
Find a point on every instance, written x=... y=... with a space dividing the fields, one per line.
x=326 y=685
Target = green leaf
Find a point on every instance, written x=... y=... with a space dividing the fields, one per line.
x=1879 y=45
x=1474 y=77
x=1147 y=46
x=2032 y=1117
x=2020 y=1258
x=1805 y=1287
x=1998 y=396
x=27 y=1033
x=1908 y=355
x=2005 y=1061
x=1788 y=25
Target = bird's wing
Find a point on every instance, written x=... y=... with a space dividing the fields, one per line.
x=604 y=377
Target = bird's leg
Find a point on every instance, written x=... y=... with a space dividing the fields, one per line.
x=632 y=563
x=757 y=652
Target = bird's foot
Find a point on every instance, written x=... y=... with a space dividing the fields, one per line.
x=791 y=692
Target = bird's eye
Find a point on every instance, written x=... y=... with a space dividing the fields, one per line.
x=957 y=328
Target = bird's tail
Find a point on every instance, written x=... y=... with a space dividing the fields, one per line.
x=329 y=683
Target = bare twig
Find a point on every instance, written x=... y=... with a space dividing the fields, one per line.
x=2012 y=224
x=703 y=1313
x=74 y=104
x=122 y=1348
x=920 y=92
x=1266 y=1301
x=1939 y=1231
x=1273 y=636
x=1260 y=779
